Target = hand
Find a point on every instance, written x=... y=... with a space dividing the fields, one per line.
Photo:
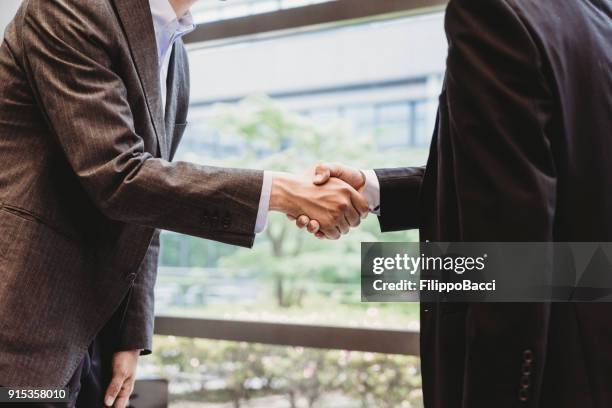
x=353 y=177
x=124 y=375
x=322 y=173
x=336 y=206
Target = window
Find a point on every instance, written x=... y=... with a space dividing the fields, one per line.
x=394 y=125
x=283 y=104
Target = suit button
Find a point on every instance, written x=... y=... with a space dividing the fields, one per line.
x=525 y=378
x=227 y=222
x=523 y=395
x=130 y=277
x=528 y=356
x=525 y=382
x=526 y=369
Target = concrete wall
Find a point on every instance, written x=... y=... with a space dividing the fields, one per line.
x=374 y=52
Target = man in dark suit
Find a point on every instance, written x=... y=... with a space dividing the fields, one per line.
x=522 y=151
x=93 y=104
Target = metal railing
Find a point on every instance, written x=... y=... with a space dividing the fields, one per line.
x=384 y=341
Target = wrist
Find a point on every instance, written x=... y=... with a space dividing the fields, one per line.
x=281 y=196
x=134 y=352
x=371 y=191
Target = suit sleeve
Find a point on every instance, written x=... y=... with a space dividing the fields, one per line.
x=137 y=323
x=68 y=54
x=498 y=106
x=399 y=198
x=495 y=121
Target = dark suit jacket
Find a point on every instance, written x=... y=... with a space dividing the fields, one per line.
x=522 y=152
x=86 y=178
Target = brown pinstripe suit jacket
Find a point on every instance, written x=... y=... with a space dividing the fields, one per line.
x=86 y=178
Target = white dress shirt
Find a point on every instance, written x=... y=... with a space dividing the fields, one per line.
x=371 y=191
x=168 y=29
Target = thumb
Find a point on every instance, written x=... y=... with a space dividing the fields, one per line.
x=360 y=203
x=354 y=177
x=322 y=173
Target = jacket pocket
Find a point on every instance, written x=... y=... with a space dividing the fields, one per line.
x=11 y=223
x=20 y=212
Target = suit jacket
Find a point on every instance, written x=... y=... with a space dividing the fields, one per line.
x=86 y=178
x=522 y=152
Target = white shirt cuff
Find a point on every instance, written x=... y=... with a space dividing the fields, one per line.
x=264 y=203
x=371 y=191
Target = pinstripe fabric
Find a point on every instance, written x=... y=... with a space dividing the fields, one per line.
x=86 y=179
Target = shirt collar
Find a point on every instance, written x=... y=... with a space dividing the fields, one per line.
x=169 y=28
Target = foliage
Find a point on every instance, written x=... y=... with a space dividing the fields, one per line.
x=227 y=371
x=273 y=138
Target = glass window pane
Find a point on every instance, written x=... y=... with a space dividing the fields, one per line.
x=394 y=125
x=424 y=111
x=356 y=94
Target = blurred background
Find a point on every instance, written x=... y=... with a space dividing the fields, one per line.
x=281 y=85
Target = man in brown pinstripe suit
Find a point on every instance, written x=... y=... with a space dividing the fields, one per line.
x=93 y=103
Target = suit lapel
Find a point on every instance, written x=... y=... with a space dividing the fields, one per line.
x=177 y=96
x=171 y=91
x=137 y=22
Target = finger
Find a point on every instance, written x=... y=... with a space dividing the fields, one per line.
x=302 y=221
x=314 y=226
x=113 y=390
x=332 y=233
x=354 y=177
x=360 y=204
x=322 y=174
x=352 y=216
x=320 y=235
x=324 y=171
x=290 y=217
x=121 y=402
x=343 y=225
x=123 y=398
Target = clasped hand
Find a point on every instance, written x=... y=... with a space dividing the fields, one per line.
x=327 y=200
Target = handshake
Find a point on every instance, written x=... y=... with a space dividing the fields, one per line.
x=328 y=200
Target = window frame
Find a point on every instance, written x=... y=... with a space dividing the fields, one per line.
x=384 y=341
x=315 y=16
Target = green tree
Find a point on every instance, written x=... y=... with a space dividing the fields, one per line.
x=273 y=138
